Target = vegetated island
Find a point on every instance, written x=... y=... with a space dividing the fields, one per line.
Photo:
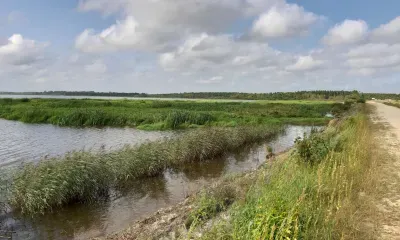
x=164 y=115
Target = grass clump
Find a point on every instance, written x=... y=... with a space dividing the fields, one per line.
x=85 y=177
x=313 y=194
x=177 y=118
x=210 y=203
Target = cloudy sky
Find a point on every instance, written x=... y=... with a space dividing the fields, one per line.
x=160 y=46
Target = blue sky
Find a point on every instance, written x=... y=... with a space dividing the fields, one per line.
x=181 y=45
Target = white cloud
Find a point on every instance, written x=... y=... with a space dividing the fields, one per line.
x=283 y=21
x=348 y=32
x=198 y=51
x=375 y=62
x=305 y=63
x=373 y=50
x=389 y=32
x=97 y=67
x=362 y=72
x=158 y=25
x=204 y=52
x=126 y=34
x=213 y=80
x=20 y=51
x=205 y=15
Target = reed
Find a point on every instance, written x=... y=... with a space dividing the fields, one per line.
x=86 y=177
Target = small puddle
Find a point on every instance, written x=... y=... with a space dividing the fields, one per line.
x=143 y=197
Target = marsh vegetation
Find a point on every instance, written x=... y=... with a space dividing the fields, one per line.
x=161 y=115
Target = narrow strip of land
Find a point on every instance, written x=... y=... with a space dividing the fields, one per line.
x=389 y=204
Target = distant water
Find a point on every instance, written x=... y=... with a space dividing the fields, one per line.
x=100 y=97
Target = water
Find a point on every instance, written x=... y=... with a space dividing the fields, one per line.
x=115 y=98
x=21 y=142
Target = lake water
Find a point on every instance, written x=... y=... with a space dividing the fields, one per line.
x=21 y=142
x=116 y=98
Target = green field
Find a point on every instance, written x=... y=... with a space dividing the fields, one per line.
x=161 y=115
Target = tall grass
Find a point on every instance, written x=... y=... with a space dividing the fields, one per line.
x=84 y=176
x=307 y=196
x=151 y=114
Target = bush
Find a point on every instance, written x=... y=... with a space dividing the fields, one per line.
x=312 y=149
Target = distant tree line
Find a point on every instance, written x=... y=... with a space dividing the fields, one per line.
x=299 y=95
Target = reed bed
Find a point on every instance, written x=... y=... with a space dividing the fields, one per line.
x=86 y=177
x=160 y=115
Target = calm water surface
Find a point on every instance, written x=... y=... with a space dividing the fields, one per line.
x=115 y=98
x=21 y=142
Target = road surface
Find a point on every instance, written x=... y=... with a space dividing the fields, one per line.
x=388 y=206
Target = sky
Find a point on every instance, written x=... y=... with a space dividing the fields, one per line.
x=163 y=46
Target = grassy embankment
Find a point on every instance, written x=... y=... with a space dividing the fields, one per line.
x=314 y=193
x=160 y=115
x=85 y=177
x=393 y=104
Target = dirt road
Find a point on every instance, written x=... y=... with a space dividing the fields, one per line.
x=388 y=204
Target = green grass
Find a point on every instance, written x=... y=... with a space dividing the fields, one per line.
x=160 y=115
x=312 y=194
x=86 y=177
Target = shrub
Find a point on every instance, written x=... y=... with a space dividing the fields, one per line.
x=313 y=148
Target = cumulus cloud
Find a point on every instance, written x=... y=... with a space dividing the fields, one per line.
x=283 y=21
x=156 y=25
x=126 y=34
x=20 y=51
x=201 y=52
x=373 y=50
x=348 y=32
x=305 y=63
x=375 y=62
x=389 y=32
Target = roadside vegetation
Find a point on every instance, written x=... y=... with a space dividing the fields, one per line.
x=312 y=194
x=162 y=115
x=86 y=177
